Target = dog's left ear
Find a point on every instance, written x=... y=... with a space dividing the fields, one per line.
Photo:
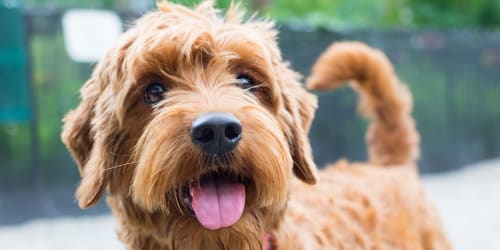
x=300 y=105
x=90 y=131
x=79 y=137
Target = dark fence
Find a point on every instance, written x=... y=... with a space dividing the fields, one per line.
x=453 y=75
x=455 y=80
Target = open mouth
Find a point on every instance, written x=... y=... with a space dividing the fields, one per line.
x=217 y=200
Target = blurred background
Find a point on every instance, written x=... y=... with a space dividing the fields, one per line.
x=448 y=51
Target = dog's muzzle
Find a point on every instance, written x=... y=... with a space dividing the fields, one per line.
x=216 y=133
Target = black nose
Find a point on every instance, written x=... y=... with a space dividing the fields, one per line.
x=216 y=133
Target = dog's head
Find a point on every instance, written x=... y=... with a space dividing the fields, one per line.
x=194 y=115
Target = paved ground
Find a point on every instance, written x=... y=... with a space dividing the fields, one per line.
x=469 y=202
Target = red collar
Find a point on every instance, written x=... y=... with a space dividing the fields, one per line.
x=267 y=241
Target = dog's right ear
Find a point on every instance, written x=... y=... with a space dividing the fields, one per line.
x=79 y=137
x=300 y=107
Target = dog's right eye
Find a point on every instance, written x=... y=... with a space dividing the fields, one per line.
x=154 y=93
x=246 y=82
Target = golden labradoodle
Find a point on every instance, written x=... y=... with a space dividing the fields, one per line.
x=197 y=130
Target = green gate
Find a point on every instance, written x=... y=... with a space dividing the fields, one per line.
x=14 y=74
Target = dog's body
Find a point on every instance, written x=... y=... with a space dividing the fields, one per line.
x=359 y=206
x=376 y=205
x=195 y=126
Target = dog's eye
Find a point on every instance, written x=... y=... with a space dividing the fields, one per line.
x=154 y=93
x=245 y=82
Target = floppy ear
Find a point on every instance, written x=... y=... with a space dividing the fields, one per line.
x=79 y=138
x=89 y=131
x=76 y=133
x=301 y=105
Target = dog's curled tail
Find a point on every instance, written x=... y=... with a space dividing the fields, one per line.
x=391 y=137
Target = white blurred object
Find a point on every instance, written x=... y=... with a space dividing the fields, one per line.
x=88 y=34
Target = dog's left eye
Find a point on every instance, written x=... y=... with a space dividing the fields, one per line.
x=245 y=82
x=154 y=93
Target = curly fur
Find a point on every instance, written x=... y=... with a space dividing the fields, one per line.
x=142 y=155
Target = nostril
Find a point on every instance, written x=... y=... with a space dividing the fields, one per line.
x=232 y=131
x=216 y=133
x=204 y=134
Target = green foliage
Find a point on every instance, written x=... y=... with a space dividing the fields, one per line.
x=122 y=5
x=339 y=13
x=456 y=13
x=224 y=4
x=389 y=13
x=489 y=14
x=346 y=13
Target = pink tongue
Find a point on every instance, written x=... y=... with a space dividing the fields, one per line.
x=218 y=201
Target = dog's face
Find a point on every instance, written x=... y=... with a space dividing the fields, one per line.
x=196 y=116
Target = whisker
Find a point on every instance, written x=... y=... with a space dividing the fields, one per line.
x=120 y=165
x=253 y=88
x=225 y=160
x=207 y=160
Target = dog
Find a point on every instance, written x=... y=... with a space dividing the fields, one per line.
x=196 y=128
